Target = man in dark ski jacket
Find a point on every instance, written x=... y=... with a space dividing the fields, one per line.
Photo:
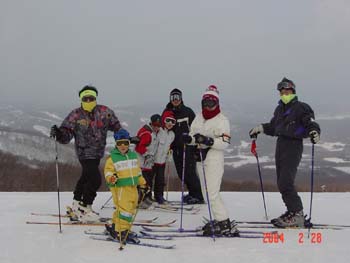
x=292 y=121
x=88 y=125
x=184 y=117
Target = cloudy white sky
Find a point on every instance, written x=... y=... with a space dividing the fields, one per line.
x=135 y=52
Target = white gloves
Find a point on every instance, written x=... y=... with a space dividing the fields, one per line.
x=253 y=133
x=314 y=136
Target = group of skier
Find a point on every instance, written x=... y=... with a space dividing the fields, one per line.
x=197 y=144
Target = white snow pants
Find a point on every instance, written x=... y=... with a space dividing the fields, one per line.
x=213 y=174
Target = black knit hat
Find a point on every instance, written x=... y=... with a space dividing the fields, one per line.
x=156 y=120
x=88 y=87
x=286 y=84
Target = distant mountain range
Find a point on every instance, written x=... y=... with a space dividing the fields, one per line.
x=25 y=133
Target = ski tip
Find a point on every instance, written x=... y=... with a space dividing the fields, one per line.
x=146 y=228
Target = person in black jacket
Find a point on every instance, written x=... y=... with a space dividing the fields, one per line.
x=184 y=117
x=292 y=121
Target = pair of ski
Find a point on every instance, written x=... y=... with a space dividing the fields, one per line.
x=167 y=234
x=169 y=208
x=102 y=219
x=269 y=225
x=193 y=210
x=142 y=222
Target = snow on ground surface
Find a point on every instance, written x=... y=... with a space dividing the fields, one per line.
x=21 y=243
x=330 y=146
x=335 y=160
x=343 y=169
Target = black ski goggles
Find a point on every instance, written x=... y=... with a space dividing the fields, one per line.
x=285 y=85
x=208 y=103
x=122 y=142
x=175 y=97
x=170 y=120
x=88 y=99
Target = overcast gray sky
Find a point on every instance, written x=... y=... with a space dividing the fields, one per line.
x=135 y=52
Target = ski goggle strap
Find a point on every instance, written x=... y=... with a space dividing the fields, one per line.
x=87 y=93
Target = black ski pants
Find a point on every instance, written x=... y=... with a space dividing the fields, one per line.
x=287 y=157
x=148 y=175
x=191 y=178
x=159 y=180
x=89 y=181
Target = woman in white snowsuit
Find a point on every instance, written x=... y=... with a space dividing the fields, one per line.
x=210 y=130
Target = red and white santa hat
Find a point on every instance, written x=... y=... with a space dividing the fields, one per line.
x=211 y=93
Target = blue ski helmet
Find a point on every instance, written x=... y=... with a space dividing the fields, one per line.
x=122 y=134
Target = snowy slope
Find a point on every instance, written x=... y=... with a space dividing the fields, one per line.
x=20 y=242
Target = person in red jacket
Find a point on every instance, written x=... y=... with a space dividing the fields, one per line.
x=146 y=149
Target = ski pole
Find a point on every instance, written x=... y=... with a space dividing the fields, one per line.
x=206 y=192
x=109 y=199
x=168 y=175
x=253 y=151
x=182 y=185
x=121 y=247
x=58 y=188
x=131 y=223
x=312 y=187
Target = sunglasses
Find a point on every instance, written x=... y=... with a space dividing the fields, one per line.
x=170 y=120
x=88 y=99
x=123 y=142
x=208 y=103
x=284 y=85
x=175 y=97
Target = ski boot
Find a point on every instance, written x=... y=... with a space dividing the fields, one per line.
x=125 y=236
x=293 y=220
x=221 y=228
x=86 y=214
x=281 y=217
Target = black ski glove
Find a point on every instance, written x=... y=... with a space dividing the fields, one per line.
x=201 y=139
x=135 y=140
x=186 y=138
x=55 y=132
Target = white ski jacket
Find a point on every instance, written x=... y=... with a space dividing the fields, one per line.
x=217 y=128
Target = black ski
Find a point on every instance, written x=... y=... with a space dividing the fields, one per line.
x=194 y=230
x=200 y=234
x=312 y=224
x=140 y=236
x=270 y=226
x=176 y=207
x=109 y=239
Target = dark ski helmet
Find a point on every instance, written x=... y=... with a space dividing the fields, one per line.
x=286 y=84
x=156 y=120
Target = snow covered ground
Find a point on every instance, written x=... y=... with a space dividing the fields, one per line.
x=20 y=242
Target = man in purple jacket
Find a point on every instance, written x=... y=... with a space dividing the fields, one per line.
x=88 y=125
